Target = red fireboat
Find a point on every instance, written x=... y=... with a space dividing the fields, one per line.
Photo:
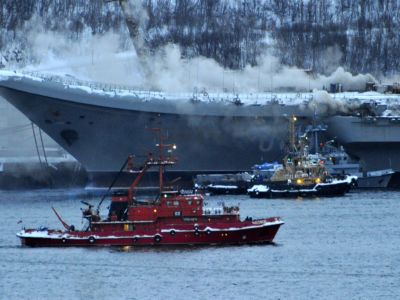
x=171 y=218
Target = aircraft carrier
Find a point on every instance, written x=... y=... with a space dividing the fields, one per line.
x=214 y=133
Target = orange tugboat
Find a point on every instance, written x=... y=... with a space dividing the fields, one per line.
x=171 y=218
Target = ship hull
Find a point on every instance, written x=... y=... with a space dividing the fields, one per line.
x=101 y=128
x=292 y=191
x=260 y=232
x=101 y=137
x=375 y=182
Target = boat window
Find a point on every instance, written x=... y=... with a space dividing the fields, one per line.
x=190 y=202
x=169 y=203
x=176 y=203
x=177 y=213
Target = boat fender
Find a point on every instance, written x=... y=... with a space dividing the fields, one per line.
x=208 y=231
x=196 y=232
x=157 y=238
x=135 y=239
x=172 y=232
x=92 y=240
x=196 y=227
x=63 y=240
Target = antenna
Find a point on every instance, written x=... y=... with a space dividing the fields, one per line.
x=292 y=134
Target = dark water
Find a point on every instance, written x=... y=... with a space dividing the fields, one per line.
x=336 y=248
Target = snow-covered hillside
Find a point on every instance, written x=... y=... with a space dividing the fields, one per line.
x=360 y=35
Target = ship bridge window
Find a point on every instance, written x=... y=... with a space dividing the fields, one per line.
x=177 y=213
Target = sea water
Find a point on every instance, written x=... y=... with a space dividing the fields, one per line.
x=329 y=248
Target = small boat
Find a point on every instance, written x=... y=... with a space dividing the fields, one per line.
x=223 y=184
x=327 y=188
x=171 y=218
x=301 y=175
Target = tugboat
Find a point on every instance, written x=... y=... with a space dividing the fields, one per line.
x=171 y=218
x=301 y=175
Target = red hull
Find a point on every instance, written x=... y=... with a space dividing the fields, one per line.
x=172 y=218
x=249 y=232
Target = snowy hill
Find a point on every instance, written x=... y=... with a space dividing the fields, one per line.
x=361 y=35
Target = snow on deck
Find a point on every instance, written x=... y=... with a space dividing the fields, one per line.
x=284 y=98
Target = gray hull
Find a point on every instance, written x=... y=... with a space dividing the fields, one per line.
x=375 y=141
x=101 y=130
x=380 y=182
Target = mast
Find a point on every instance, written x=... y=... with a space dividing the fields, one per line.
x=160 y=162
x=163 y=160
x=292 y=134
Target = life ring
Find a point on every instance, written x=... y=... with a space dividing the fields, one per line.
x=208 y=231
x=172 y=232
x=92 y=240
x=157 y=238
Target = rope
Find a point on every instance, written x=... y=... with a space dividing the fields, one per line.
x=112 y=184
x=36 y=144
x=44 y=151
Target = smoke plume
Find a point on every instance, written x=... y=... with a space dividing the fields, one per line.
x=110 y=58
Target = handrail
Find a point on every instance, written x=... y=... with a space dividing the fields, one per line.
x=203 y=96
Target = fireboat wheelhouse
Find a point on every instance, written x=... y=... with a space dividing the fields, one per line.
x=171 y=218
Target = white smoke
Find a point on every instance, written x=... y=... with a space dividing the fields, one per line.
x=323 y=103
x=108 y=58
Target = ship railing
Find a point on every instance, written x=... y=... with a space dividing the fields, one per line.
x=259 y=98
x=222 y=210
x=213 y=211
